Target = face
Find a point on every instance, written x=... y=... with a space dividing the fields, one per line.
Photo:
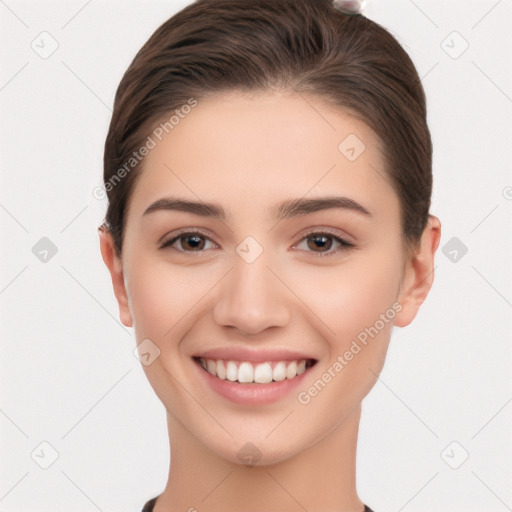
x=263 y=242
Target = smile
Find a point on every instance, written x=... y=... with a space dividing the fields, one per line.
x=246 y=372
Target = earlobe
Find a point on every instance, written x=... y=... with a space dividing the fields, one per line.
x=115 y=267
x=419 y=274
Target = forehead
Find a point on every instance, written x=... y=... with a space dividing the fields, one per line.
x=258 y=148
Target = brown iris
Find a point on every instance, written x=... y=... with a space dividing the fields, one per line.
x=319 y=242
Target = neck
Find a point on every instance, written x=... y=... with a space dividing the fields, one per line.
x=321 y=477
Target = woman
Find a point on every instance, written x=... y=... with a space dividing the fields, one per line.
x=269 y=174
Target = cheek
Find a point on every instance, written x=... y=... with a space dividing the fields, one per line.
x=358 y=303
x=162 y=295
x=351 y=297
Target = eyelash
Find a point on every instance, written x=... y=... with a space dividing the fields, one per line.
x=344 y=245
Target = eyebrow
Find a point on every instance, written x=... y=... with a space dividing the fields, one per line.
x=286 y=210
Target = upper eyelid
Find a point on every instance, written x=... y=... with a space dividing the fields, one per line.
x=327 y=231
x=345 y=239
x=186 y=231
x=173 y=238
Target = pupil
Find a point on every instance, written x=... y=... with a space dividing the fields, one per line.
x=194 y=242
x=322 y=242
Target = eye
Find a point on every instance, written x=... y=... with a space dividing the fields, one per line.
x=324 y=242
x=320 y=243
x=189 y=242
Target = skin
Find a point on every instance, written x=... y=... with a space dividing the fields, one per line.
x=247 y=153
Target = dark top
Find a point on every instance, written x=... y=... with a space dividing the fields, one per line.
x=148 y=507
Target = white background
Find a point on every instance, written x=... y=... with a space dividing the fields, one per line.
x=68 y=374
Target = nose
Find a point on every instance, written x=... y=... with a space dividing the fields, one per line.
x=252 y=299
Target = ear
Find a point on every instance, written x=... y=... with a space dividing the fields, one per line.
x=115 y=267
x=418 y=274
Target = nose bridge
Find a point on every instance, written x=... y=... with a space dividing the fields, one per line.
x=251 y=298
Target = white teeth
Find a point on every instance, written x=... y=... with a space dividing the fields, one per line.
x=231 y=371
x=221 y=370
x=211 y=366
x=261 y=373
x=245 y=373
x=279 y=372
x=291 y=370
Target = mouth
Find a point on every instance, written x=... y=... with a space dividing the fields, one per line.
x=256 y=373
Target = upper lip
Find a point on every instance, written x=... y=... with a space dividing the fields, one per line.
x=253 y=354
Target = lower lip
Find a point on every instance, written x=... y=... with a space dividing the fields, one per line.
x=252 y=394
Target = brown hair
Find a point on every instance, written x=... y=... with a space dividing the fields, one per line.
x=300 y=46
